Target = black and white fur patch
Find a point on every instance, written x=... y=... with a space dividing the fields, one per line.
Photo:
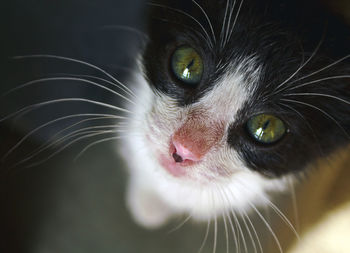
x=286 y=58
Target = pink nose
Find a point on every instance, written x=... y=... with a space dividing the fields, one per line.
x=193 y=140
x=182 y=153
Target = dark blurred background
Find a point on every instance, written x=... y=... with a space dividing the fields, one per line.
x=62 y=206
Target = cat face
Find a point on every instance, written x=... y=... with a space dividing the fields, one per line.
x=237 y=96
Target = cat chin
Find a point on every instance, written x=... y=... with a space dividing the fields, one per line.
x=154 y=195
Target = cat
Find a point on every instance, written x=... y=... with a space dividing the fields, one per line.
x=235 y=102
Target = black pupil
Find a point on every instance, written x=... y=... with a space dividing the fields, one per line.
x=266 y=125
x=190 y=64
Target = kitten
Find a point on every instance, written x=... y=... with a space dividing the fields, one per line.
x=234 y=100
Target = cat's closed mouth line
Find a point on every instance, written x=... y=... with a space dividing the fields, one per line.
x=173 y=167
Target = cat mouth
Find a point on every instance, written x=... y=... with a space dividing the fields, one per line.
x=172 y=167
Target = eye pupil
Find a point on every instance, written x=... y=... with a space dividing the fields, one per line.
x=266 y=125
x=190 y=64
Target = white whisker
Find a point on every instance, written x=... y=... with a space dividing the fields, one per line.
x=282 y=216
x=50 y=79
x=94 y=144
x=322 y=69
x=78 y=123
x=226 y=233
x=101 y=116
x=268 y=227
x=29 y=108
x=76 y=61
x=234 y=22
x=277 y=89
x=84 y=131
x=66 y=137
x=210 y=43
x=88 y=135
x=215 y=233
x=235 y=236
x=249 y=232
x=240 y=231
x=229 y=22
x=223 y=199
x=254 y=230
x=141 y=34
x=319 y=80
x=223 y=25
x=308 y=125
x=212 y=200
x=295 y=204
x=318 y=94
x=320 y=110
x=205 y=237
x=181 y=224
x=208 y=20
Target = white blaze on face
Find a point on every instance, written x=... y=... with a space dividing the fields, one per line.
x=218 y=179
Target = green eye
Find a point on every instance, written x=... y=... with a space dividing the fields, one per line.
x=187 y=65
x=266 y=128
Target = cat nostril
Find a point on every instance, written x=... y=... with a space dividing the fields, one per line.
x=177 y=158
x=181 y=153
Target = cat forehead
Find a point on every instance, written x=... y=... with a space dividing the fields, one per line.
x=233 y=90
x=226 y=43
x=278 y=34
x=227 y=29
x=224 y=17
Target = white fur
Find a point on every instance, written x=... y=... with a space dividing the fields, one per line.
x=153 y=194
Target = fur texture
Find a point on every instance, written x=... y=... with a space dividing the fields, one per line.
x=286 y=58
